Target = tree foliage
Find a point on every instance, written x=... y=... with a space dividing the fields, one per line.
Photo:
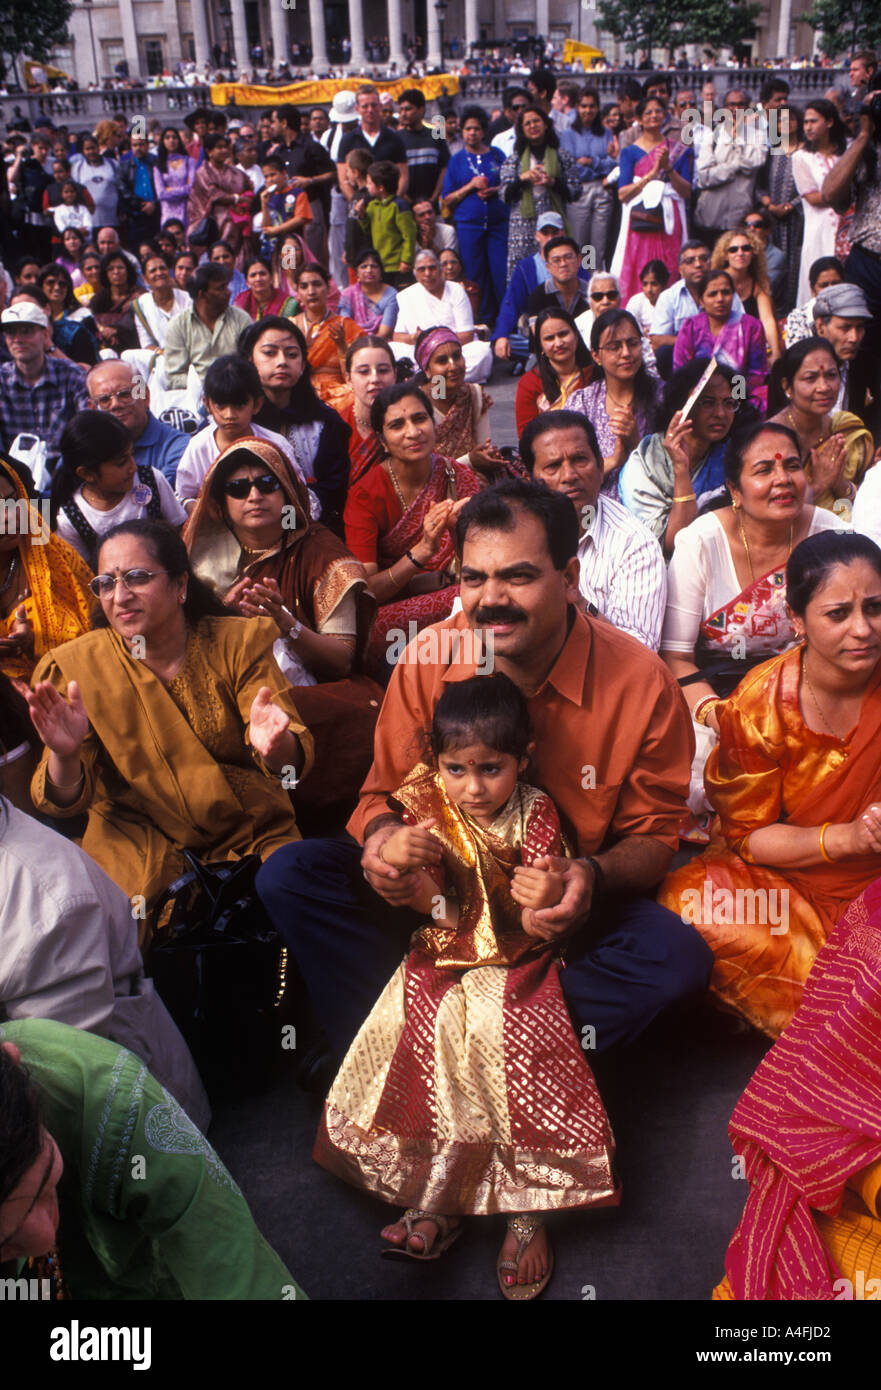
x=32 y=30
x=846 y=25
x=715 y=23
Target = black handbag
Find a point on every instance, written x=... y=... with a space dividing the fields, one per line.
x=643 y=219
x=220 y=968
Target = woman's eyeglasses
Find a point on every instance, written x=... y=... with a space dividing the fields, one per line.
x=240 y=488
x=743 y=247
x=604 y=294
x=103 y=585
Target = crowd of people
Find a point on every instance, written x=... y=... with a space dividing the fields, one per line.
x=271 y=594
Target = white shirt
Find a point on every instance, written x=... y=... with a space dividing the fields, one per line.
x=701 y=578
x=623 y=573
x=255 y=174
x=126 y=510
x=867 y=505
x=505 y=141
x=157 y=318
x=417 y=309
x=70 y=953
x=202 y=452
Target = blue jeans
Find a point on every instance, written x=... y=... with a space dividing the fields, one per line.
x=348 y=942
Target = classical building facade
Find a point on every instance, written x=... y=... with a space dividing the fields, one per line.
x=152 y=36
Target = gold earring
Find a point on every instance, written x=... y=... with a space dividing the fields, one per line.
x=734 y=505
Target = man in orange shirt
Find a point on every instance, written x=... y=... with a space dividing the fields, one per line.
x=614 y=745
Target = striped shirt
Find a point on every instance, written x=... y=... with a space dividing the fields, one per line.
x=623 y=572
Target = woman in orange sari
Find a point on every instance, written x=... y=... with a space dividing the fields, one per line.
x=794 y=779
x=44 y=584
x=328 y=337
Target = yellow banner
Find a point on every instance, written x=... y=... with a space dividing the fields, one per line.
x=572 y=50
x=35 y=73
x=322 y=93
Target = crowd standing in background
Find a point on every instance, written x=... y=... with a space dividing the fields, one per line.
x=271 y=595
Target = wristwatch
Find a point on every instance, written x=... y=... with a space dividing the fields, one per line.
x=296 y=627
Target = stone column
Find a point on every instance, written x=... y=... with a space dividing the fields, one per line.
x=130 y=37
x=783 y=26
x=320 y=61
x=396 y=33
x=201 y=37
x=358 y=56
x=541 y=18
x=240 y=38
x=281 y=44
x=472 y=29
x=432 y=43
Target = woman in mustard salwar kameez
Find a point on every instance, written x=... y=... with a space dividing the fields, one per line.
x=44 y=583
x=466 y=1090
x=794 y=779
x=177 y=726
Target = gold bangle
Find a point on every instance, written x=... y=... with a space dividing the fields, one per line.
x=823 y=829
x=63 y=786
x=701 y=711
x=686 y=497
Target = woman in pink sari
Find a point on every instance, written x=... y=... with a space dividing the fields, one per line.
x=223 y=192
x=808 y=1131
x=399 y=518
x=654 y=188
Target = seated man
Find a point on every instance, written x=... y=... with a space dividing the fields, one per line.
x=825 y=271
x=434 y=302
x=622 y=568
x=613 y=749
x=566 y=286
x=100 y=1150
x=209 y=329
x=116 y=386
x=70 y=952
x=431 y=232
x=38 y=392
x=507 y=340
x=842 y=315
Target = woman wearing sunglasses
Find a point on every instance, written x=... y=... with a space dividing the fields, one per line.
x=170 y=724
x=741 y=254
x=97 y=484
x=252 y=540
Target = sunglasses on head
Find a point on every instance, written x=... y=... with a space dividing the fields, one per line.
x=240 y=488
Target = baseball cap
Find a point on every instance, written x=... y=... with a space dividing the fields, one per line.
x=549 y=219
x=26 y=312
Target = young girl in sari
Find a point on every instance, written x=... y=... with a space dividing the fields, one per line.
x=466 y=1092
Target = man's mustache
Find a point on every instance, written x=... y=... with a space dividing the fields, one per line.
x=486 y=617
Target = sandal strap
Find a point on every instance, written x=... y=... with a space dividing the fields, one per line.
x=524 y=1225
x=413 y=1214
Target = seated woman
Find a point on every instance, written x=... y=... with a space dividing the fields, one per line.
x=73 y=244
x=793 y=779
x=370 y=302
x=288 y=257
x=163 y=301
x=44 y=584
x=264 y=554
x=742 y=255
x=739 y=343
x=621 y=400
x=169 y=724
x=97 y=483
x=89 y=276
x=74 y=330
x=370 y=367
x=726 y=587
x=328 y=337
x=563 y=366
x=453 y=269
x=674 y=473
x=399 y=518
x=802 y=393
x=112 y=306
x=463 y=429
x=174 y=1226
x=318 y=438
x=261 y=297
x=806 y=1128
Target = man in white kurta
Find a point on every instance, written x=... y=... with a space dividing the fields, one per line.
x=434 y=302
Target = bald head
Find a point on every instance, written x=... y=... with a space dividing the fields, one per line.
x=116 y=387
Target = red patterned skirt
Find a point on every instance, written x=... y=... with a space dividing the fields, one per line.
x=466 y=1092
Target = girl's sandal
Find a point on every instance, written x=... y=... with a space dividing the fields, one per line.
x=446 y=1236
x=524 y=1228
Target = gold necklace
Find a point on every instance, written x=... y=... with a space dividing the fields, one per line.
x=823 y=436
x=746 y=547
x=622 y=405
x=397 y=486
x=804 y=671
x=363 y=425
